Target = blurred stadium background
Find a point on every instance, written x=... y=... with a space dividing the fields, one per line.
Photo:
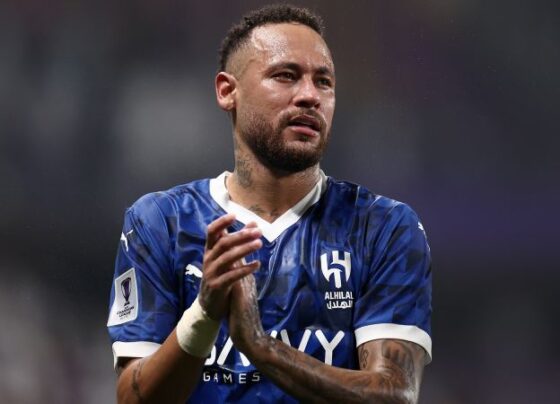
x=449 y=105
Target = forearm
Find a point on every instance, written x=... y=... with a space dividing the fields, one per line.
x=310 y=380
x=172 y=373
x=167 y=376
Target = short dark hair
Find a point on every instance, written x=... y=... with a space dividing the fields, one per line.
x=272 y=14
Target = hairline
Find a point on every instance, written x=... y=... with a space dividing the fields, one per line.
x=245 y=42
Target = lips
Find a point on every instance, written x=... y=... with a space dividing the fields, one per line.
x=305 y=121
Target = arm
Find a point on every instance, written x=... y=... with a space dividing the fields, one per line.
x=171 y=374
x=390 y=370
x=167 y=376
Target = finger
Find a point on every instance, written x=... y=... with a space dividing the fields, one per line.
x=229 y=278
x=226 y=260
x=250 y=225
x=247 y=282
x=232 y=240
x=234 y=257
x=217 y=229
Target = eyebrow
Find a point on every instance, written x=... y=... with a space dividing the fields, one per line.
x=294 y=66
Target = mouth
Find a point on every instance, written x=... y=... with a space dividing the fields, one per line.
x=305 y=124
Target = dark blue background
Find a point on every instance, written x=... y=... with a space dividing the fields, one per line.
x=450 y=106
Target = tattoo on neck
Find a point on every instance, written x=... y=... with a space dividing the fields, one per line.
x=272 y=216
x=275 y=214
x=243 y=171
x=257 y=209
x=135 y=376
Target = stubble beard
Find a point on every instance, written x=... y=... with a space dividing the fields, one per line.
x=272 y=149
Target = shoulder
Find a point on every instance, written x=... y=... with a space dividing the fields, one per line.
x=372 y=220
x=367 y=202
x=168 y=202
x=159 y=212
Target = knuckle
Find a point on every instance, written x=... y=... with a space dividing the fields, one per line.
x=212 y=285
x=219 y=261
x=219 y=245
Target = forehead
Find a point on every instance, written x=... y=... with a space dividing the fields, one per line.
x=289 y=42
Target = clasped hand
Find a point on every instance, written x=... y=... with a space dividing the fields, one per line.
x=228 y=285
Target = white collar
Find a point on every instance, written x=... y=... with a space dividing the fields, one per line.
x=271 y=231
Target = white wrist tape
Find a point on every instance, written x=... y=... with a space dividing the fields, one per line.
x=196 y=332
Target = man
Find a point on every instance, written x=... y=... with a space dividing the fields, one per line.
x=273 y=283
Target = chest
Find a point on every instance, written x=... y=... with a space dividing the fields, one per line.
x=309 y=277
x=308 y=283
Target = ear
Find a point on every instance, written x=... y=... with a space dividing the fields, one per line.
x=226 y=90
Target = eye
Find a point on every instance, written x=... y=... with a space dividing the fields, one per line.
x=285 y=76
x=324 y=82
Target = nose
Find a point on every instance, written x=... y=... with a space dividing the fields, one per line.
x=307 y=95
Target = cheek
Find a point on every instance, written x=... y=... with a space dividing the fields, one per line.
x=266 y=109
x=328 y=107
x=263 y=99
x=274 y=95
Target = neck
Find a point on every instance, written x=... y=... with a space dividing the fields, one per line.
x=268 y=193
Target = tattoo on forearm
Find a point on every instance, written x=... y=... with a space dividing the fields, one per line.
x=307 y=382
x=363 y=354
x=252 y=315
x=135 y=376
x=390 y=369
x=390 y=374
x=398 y=374
x=400 y=357
x=313 y=380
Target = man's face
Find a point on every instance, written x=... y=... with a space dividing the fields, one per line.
x=285 y=96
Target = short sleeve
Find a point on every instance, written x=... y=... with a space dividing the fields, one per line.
x=144 y=302
x=395 y=301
